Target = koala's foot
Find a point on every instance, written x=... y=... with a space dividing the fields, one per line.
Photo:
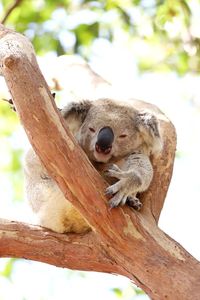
x=129 y=183
x=134 y=202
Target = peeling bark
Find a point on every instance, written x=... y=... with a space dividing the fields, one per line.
x=123 y=241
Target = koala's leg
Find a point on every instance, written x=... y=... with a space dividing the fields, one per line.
x=53 y=210
x=57 y=214
x=47 y=201
x=134 y=176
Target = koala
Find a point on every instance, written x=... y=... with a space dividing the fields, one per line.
x=118 y=140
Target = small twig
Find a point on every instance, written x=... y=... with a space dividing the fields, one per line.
x=9 y=11
x=10 y=102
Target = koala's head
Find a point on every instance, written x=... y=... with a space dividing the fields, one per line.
x=108 y=129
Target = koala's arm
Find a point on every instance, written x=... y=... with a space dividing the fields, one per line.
x=47 y=201
x=134 y=176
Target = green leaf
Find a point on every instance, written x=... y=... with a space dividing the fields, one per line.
x=86 y=33
x=8 y=119
x=118 y=292
x=7 y=271
x=138 y=291
x=136 y=2
x=51 y=44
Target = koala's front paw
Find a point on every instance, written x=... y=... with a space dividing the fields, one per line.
x=129 y=183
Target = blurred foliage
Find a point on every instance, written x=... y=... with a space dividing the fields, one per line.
x=118 y=292
x=8 y=119
x=8 y=268
x=164 y=35
x=10 y=151
x=131 y=292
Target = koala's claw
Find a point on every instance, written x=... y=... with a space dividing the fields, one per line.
x=109 y=191
x=114 y=171
x=118 y=199
x=113 y=189
x=111 y=204
x=114 y=168
x=134 y=202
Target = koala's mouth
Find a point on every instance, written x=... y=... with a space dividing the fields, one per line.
x=102 y=156
x=103 y=150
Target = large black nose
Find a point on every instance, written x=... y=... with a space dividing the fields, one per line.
x=104 y=140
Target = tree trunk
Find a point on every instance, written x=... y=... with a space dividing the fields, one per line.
x=123 y=241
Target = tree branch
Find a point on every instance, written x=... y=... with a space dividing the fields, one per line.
x=131 y=240
x=78 y=252
x=10 y=9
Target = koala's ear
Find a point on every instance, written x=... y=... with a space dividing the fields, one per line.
x=77 y=109
x=148 y=126
x=75 y=113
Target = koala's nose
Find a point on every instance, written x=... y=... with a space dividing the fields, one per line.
x=105 y=139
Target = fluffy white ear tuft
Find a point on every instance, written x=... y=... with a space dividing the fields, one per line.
x=75 y=113
x=148 y=126
x=77 y=108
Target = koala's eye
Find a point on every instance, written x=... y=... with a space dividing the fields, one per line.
x=122 y=136
x=91 y=129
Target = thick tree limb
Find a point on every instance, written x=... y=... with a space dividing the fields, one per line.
x=128 y=241
x=74 y=251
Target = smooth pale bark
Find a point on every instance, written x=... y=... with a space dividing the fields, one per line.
x=123 y=241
